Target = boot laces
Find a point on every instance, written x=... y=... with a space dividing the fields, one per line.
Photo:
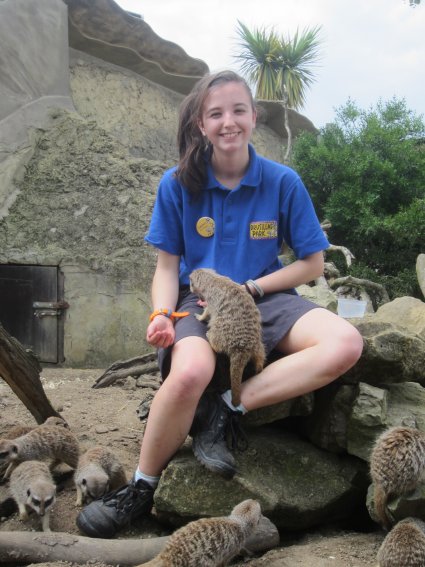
x=129 y=494
x=228 y=427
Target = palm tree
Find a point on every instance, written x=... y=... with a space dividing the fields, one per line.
x=279 y=67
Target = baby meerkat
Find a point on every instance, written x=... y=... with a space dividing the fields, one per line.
x=234 y=323
x=45 y=442
x=32 y=486
x=404 y=546
x=98 y=472
x=210 y=542
x=397 y=466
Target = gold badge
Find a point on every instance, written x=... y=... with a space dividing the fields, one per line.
x=205 y=226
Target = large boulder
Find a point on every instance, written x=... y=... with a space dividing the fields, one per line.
x=297 y=484
x=393 y=352
x=407 y=312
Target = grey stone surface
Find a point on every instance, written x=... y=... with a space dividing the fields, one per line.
x=33 y=80
x=105 y=30
x=298 y=485
x=407 y=312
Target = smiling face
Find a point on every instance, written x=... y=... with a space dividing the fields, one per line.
x=228 y=117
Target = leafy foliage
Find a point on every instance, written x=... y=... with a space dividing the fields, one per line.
x=279 y=66
x=366 y=174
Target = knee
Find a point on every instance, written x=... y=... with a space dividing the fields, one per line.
x=347 y=349
x=188 y=382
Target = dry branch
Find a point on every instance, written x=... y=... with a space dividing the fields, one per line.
x=21 y=370
x=144 y=364
x=39 y=547
x=378 y=293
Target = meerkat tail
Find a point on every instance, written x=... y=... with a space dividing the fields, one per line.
x=380 y=499
x=238 y=361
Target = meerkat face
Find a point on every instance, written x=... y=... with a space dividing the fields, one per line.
x=94 y=488
x=198 y=278
x=41 y=499
x=8 y=451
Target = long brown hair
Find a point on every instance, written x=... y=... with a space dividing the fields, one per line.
x=193 y=149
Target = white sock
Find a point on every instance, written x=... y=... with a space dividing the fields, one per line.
x=152 y=480
x=227 y=397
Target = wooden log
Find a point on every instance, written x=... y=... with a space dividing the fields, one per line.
x=21 y=370
x=143 y=364
x=39 y=547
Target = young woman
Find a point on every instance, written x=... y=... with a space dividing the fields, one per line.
x=227 y=208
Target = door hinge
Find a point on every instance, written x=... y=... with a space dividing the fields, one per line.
x=49 y=308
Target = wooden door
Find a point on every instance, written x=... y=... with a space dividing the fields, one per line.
x=31 y=308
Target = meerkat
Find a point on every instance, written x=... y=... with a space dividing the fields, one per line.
x=234 y=323
x=98 y=472
x=404 y=546
x=19 y=430
x=397 y=465
x=45 y=442
x=32 y=486
x=210 y=542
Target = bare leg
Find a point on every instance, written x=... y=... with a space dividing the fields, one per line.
x=320 y=347
x=173 y=408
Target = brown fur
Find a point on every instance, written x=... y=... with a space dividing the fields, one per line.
x=404 y=546
x=397 y=466
x=210 y=542
x=19 y=430
x=32 y=487
x=45 y=442
x=98 y=472
x=234 y=323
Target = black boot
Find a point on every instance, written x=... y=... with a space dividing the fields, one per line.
x=212 y=422
x=116 y=510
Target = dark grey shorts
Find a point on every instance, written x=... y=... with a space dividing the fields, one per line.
x=279 y=311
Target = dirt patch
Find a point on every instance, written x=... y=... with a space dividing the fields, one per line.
x=108 y=417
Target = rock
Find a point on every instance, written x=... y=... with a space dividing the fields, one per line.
x=300 y=406
x=321 y=295
x=298 y=485
x=406 y=312
x=376 y=409
x=392 y=352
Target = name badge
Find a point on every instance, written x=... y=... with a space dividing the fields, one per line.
x=263 y=230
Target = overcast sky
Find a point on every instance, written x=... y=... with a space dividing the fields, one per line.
x=372 y=49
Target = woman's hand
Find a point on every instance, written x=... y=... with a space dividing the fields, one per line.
x=160 y=332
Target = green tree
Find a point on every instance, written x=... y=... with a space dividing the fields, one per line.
x=279 y=67
x=366 y=174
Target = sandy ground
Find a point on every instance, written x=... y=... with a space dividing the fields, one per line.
x=108 y=417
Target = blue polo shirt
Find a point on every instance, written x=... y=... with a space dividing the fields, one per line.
x=239 y=233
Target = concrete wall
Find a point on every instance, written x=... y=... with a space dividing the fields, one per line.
x=33 y=79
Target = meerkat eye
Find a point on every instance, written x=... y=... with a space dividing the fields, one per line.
x=84 y=482
x=48 y=501
x=36 y=501
x=28 y=492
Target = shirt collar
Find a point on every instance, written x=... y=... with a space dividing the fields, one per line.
x=252 y=177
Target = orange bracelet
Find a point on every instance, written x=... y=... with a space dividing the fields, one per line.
x=168 y=313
